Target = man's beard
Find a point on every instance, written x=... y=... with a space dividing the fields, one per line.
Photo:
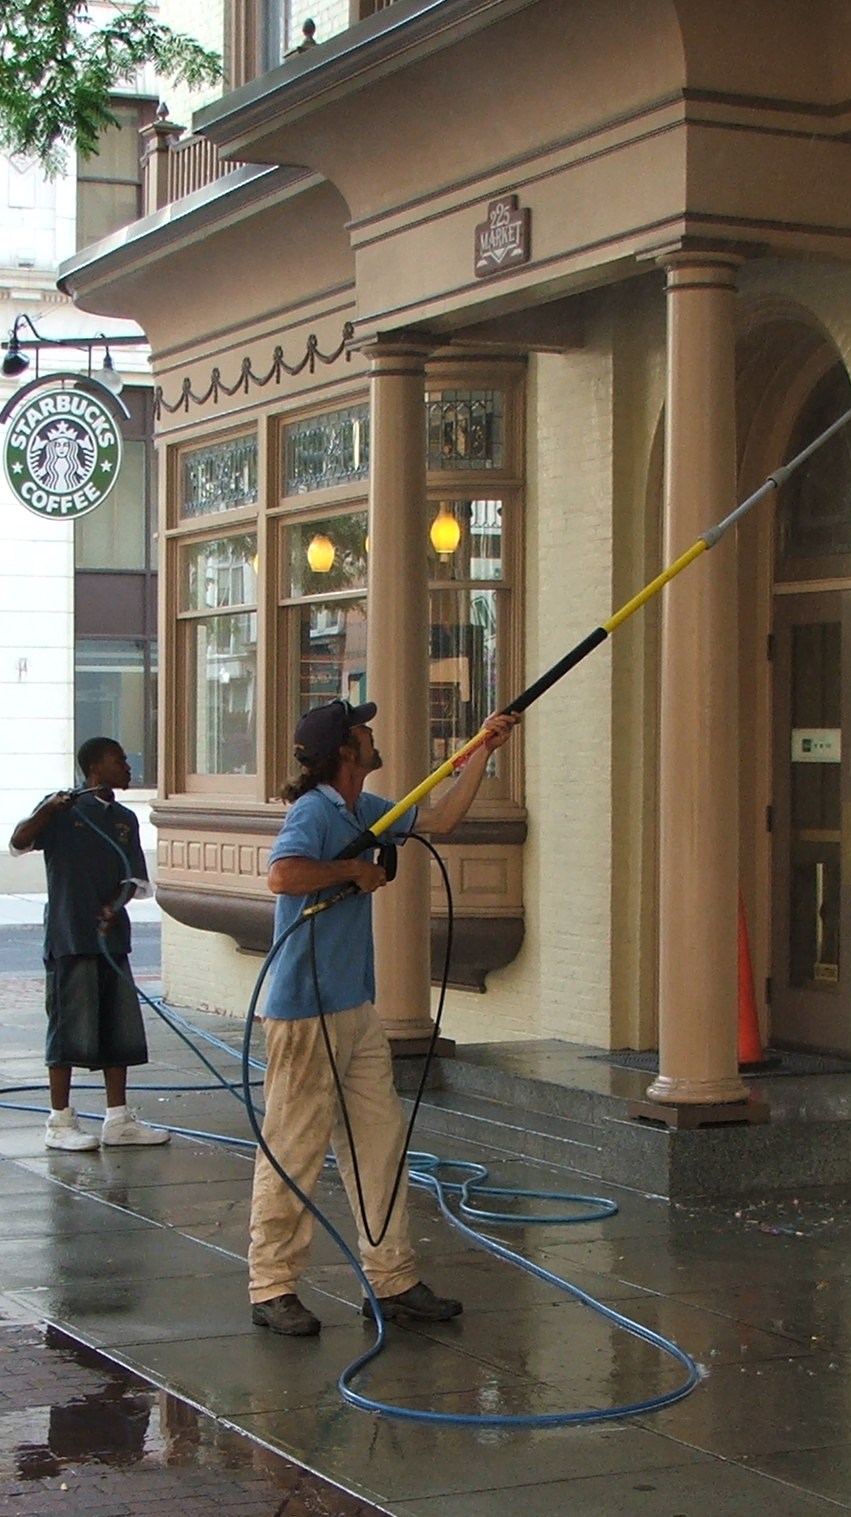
x=377 y=761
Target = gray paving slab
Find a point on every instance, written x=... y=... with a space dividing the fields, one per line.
x=426 y=1463
x=819 y=1313
x=125 y=1255
x=766 y=1408
x=722 y=1490
x=824 y=1470
x=143 y=1252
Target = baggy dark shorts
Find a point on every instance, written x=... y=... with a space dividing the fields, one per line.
x=93 y=1014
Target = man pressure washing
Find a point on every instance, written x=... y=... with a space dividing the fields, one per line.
x=320 y=1005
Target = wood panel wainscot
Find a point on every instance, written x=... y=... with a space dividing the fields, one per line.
x=211 y=875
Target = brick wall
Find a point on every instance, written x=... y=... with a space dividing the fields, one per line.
x=330 y=16
x=559 y=985
x=205 y=21
x=204 y=970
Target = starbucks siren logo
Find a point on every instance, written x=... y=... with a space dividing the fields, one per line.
x=62 y=453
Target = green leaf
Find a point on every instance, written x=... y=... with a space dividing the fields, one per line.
x=58 y=72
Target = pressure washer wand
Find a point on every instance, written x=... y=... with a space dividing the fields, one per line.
x=707 y=540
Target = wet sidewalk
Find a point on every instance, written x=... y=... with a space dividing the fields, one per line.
x=79 y=1434
x=141 y=1256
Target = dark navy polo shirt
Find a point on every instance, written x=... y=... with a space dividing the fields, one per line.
x=86 y=870
x=319 y=826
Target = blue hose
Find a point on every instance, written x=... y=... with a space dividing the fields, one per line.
x=427 y=1178
x=423 y=1172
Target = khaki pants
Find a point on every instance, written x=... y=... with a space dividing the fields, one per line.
x=302 y=1118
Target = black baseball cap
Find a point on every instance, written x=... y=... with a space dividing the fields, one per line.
x=321 y=731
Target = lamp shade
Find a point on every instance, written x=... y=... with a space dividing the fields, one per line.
x=445 y=532
x=14 y=361
x=320 y=553
x=108 y=375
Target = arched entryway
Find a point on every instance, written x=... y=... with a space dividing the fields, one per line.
x=796 y=685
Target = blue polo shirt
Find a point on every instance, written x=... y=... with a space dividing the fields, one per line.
x=87 y=863
x=319 y=826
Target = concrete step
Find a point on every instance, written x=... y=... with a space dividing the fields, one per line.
x=530 y=1093
x=510 y=1129
x=495 y=1103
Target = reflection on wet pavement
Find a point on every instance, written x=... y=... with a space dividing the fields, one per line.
x=75 y=1424
x=142 y=1255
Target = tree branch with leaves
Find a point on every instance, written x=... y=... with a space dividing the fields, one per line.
x=59 y=68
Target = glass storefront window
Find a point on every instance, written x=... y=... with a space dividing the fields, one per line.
x=217 y=576
x=465 y=620
x=324 y=565
x=316 y=556
x=332 y=449
x=479 y=551
x=221 y=476
x=219 y=572
x=463 y=666
x=112 y=677
x=223 y=694
x=327 y=555
x=332 y=651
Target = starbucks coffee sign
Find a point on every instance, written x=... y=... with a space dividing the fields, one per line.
x=62 y=450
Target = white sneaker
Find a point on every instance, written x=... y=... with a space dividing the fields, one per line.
x=127 y=1129
x=64 y=1131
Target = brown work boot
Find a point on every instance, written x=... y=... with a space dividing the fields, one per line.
x=287 y=1315
x=418 y=1304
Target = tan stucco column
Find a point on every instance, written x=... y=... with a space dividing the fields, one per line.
x=397 y=669
x=699 y=820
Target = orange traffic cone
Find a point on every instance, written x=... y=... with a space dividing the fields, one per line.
x=751 y=1052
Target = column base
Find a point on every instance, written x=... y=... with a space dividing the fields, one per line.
x=684 y=1090
x=690 y=1115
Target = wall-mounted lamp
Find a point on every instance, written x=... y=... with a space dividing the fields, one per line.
x=16 y=361
x=445 y=533
x=321 y=553
x=107 y=374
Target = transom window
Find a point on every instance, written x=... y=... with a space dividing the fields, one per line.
x=331 y=449
x=221 y=476
x=464 y=429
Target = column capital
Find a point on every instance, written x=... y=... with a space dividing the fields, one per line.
x=411 y=346
x=707 y=267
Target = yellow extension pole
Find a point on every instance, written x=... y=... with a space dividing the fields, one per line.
x=706 y=541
